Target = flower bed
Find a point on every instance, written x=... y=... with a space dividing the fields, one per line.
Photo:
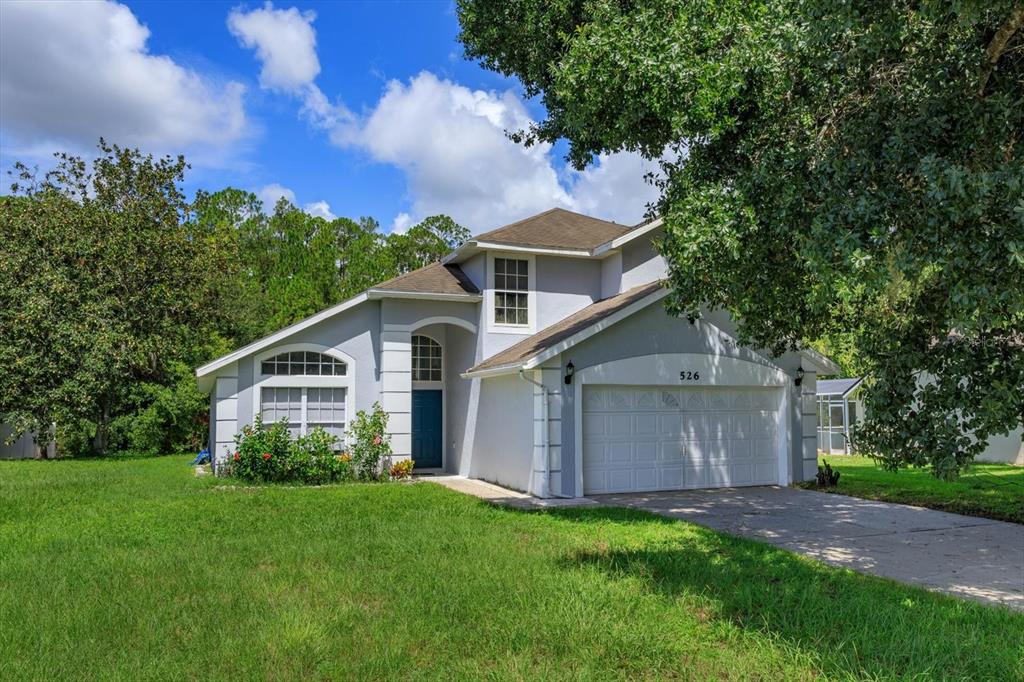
x=267 y=453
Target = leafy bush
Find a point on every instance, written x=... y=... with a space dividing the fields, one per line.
x=371 y=445
x=401 y=470
x=268 y=454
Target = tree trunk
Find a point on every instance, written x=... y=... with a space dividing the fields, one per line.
x=999 y=43
x=99 y=442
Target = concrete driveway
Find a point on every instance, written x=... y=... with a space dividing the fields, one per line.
x=965 y=556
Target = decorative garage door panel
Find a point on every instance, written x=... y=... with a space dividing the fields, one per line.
x=643 y=438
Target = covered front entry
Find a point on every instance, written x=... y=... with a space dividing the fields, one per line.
x=645 y=438
x=427 y=428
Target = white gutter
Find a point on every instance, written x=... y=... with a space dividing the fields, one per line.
x=545 y=438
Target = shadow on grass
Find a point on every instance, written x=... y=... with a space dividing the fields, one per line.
x=851 y=625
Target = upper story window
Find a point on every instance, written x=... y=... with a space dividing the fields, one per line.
x=426 y=359
x=303 y=363
x=511 y=291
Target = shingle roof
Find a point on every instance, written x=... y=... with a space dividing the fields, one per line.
x=836 y=386
x=556 y=229
x=433 y=279
x=560 y=331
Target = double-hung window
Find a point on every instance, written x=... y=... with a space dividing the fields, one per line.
x=511 y=292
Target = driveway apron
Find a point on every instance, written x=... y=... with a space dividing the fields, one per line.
x=965 y=556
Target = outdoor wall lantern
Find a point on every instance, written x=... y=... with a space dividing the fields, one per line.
x=570 y=369
x=799 y=375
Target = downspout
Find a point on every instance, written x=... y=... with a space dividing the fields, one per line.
x=545 y=436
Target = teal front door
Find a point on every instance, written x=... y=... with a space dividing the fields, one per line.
x=426 y=428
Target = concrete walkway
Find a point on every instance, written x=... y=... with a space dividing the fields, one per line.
x=962 y=555
x=503 y=496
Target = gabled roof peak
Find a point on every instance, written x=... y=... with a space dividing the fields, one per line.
x=556 y=228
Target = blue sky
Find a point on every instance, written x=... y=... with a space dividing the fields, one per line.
x=354 y=109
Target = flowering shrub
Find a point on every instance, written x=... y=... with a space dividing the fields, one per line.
x=401 y=470
x=371 y=445
x=267 y=453
x=261 y=452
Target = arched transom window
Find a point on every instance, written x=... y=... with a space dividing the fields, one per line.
x=303 y=363
x=426 y=359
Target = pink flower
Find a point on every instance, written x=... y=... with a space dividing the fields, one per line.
x=377 y=441
x=266 y=455
x=236 y=457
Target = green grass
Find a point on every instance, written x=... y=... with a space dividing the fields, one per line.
x=115 y=570
x=992 y=491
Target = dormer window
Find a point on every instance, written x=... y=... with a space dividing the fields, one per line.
x=511 y=291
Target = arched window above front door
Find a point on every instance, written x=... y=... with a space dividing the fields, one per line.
x=426 y=359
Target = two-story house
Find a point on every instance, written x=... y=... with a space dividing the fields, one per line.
x=537 y=356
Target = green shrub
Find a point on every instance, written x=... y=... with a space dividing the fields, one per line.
x=261 y=452
x=313 y=459
x=371 y=445
x=268 y=454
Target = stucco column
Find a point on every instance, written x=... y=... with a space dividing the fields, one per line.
x=809 y=430
x=396 y=388
x=547 y=478
x=225 y=418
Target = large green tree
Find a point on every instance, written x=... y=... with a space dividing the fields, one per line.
x=841 y=170
x=102 y=283
x=288 y=265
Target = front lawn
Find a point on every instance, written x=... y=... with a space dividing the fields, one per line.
x=138 y=570
x=993 y=491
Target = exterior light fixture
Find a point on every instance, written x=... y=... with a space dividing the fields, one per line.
x=570 y=369
x=799 y=375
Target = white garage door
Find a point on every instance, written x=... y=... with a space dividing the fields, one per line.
x=640 y=438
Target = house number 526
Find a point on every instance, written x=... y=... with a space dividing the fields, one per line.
x=687 y=375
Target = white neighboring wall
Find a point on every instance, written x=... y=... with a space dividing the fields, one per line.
x=1008 y=448
x=23 y=447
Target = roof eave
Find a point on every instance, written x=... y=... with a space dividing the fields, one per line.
x=822 y=364
x=249 y=349
x=546 y=354
x=377 y=294
x=620 y=241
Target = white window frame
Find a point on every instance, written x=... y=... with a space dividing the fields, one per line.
x=347 y=381
x=531 y=294
x=420 y=383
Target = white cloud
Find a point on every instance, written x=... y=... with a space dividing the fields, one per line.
x=272 y=193
x=72 y=72
x=451 y=143
x=616 y=188
x=319 y=208
x=402 y=222
x=285 y=44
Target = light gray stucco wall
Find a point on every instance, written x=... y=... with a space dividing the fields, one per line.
x=475 y=268
x=399 y=311
x=641 y=263
x=503 y=444
x=461 y=418
x=648 y=332
x=611 y=275
x=564 y=286
x=355 y=332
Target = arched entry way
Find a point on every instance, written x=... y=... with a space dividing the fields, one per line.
x=427 y=402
